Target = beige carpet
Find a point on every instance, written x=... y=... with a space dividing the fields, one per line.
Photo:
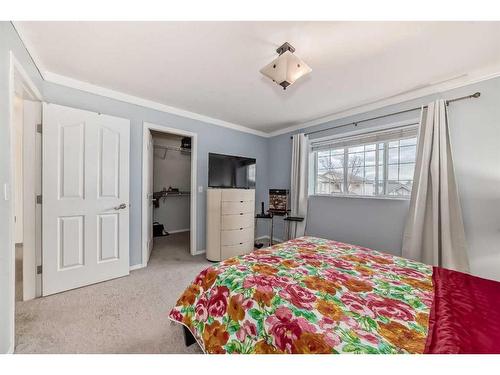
x=126 y=315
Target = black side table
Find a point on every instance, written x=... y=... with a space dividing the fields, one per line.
x=289 y=220
x=266 y=216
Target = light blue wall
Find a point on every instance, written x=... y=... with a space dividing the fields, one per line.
x=211 y=138
x=9 y=41
x=377 y=223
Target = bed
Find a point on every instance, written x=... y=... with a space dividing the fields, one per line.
x=312 y=295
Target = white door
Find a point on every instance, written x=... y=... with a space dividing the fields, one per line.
x=85 y=194
x=149 y=196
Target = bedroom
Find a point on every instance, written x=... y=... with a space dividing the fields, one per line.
x=335 y=196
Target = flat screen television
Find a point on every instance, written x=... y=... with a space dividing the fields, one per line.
x=226 y=171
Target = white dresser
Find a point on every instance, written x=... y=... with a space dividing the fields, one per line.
x=230 y=223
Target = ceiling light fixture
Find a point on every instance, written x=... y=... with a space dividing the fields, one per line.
x=287 y=68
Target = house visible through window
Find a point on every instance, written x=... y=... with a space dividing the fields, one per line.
x=372 y=164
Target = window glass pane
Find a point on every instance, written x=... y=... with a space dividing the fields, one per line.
x=369 y=188
x=337 y=187
x=393 y=156
x=407 y=154
x=392 y=172
x=336 y=161
x=370 y=158
x=355 y=187
x=406 y=171
x=401 y=188
x=331 y=181
x=321 y=187
x=370 y=173
x=323 y=163
x=355 y=162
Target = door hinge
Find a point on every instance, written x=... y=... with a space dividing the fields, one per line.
x=39 y=128
x=38 y=199
x=39 y=270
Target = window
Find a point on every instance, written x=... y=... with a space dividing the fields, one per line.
x=372 y=164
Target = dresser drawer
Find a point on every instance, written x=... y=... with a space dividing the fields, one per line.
x=238 y=195
x=235 y=250
x=236 y=236
x=237 y=207
x=237 y=221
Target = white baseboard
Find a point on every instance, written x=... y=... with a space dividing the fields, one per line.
x=198 y=252
x=136 y=267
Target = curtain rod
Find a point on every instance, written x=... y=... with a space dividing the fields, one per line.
x=355 y=123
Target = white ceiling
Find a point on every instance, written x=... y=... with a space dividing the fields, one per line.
x=212 y=68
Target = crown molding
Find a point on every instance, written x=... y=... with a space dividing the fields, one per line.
x=430 y=89
x=120 y=96
x=29 y=48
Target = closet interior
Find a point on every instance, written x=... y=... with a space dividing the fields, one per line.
x=171 y=185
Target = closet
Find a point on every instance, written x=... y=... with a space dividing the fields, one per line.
x=171 y=185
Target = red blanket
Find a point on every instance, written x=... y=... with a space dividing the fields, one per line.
x=465 y=314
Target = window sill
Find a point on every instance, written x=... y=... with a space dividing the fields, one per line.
x=361 y=197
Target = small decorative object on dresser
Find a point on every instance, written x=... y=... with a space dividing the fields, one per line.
x=230 y=223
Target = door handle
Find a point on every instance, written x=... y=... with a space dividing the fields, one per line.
x=120 y=207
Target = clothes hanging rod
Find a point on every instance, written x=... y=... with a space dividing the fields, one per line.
x=172 y=148
x=355 y=123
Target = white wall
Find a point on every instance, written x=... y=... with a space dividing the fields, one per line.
x=174 y=171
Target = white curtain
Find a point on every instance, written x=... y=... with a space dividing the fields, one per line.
x=298 y=185
x=434 y=232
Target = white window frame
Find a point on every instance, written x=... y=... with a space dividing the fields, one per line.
x=314 y=163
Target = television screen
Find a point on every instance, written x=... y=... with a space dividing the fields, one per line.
x=225 y=171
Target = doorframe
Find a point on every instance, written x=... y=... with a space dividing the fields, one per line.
x=144 y=199
x=17 y=75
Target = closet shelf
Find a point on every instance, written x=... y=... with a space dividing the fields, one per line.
x=164 y=194
x=172 y=148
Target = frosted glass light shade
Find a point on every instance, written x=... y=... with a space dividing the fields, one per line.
x=286 y=69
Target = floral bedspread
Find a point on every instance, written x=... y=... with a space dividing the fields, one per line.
x=309 y=295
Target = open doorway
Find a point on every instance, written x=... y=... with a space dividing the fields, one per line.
x=169 y=191
x=26 y=117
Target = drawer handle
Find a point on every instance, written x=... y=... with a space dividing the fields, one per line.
x=241 y=201
x=241 y=243
x=241 y=213
x=241 y=228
